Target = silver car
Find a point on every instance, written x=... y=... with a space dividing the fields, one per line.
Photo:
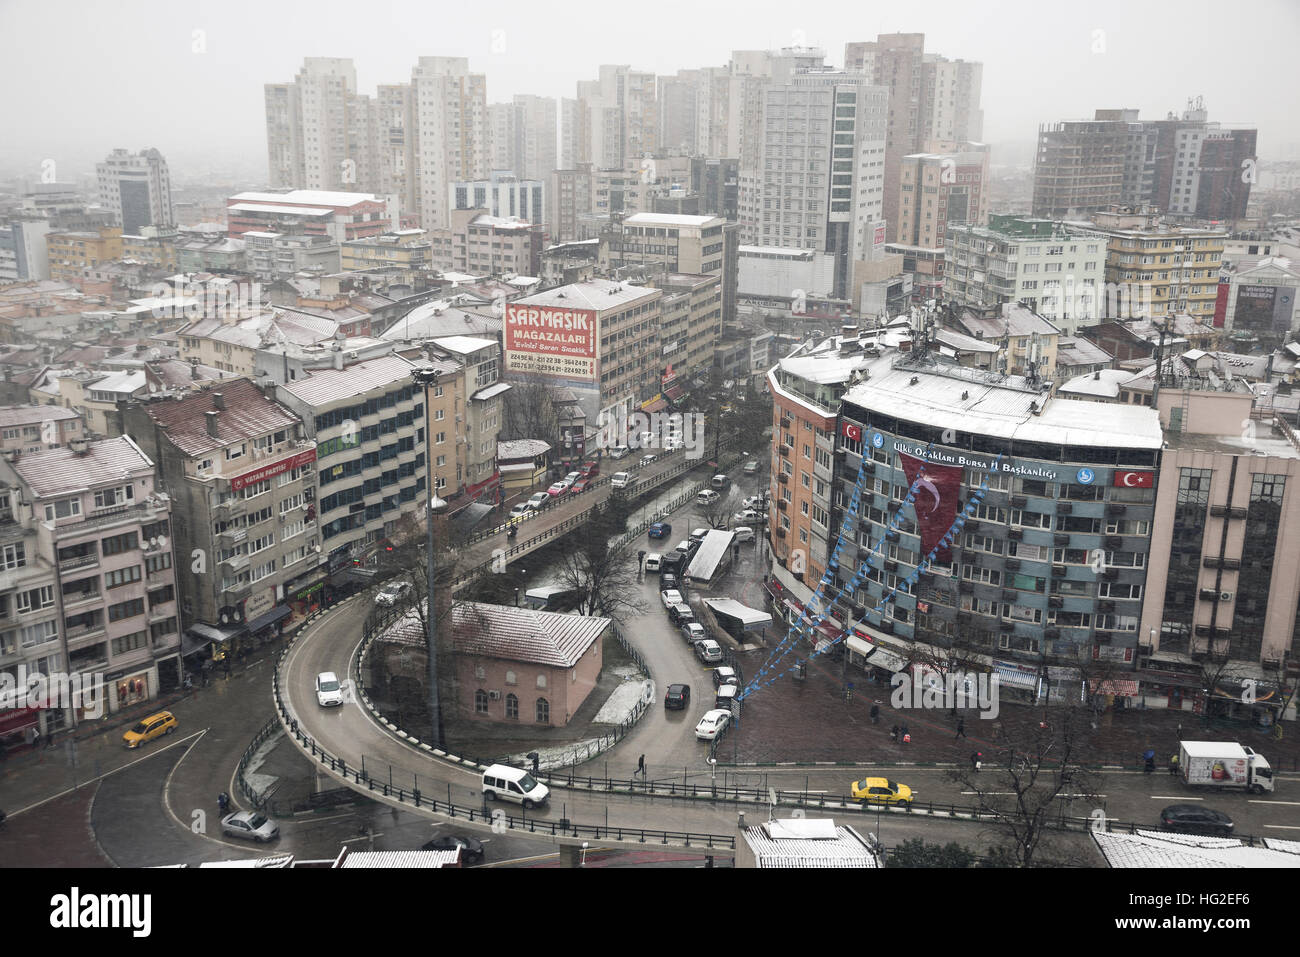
x=250 y=825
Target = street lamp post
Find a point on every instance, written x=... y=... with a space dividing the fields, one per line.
x=427 y=377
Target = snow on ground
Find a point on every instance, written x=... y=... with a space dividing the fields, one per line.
x=618 y=708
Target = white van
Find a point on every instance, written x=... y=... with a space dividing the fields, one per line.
x=653 y=562
x=514 y=784
x=619 y=480
x=618 y=451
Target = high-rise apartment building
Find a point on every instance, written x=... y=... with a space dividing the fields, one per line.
x=450 y=106
x=933 y=103
x=938 y=189
x=617 y=118
x=503 y=195
x=1185 y=166
x=820 y=181
x=137 y=187
x=311 y=126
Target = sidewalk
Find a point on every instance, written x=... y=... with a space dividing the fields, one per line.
x=810 y=721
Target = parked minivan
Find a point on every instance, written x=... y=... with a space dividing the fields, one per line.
x=719 y=481
x=653 y=561
x=514 y=784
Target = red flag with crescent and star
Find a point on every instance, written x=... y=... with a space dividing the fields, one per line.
x=1134 y=479
x=937 y=501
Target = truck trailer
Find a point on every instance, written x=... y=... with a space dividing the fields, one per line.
x=1223 y=764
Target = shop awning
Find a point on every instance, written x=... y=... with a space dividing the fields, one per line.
x=875 y=654
x=793 y=607
x=656 y=406
x=19 y=719
x=270 y=618
x=1016 y=678
x=212 y=633
x=675 y=392
x=1119 y=687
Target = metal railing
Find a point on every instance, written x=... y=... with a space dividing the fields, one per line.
x=497 y=818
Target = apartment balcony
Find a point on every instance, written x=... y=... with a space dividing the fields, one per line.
x=106 y=518
x=85 y=631
x=235 y=562
x=233 y=506
x=81 y=561
x=77 y=599
x=233 y=536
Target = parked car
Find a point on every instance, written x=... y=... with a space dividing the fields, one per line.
x=618 y=451
x=572 y=477
x=647 y=459
x=712 y=723
x=693 y=631
x=522 y=510
x=471 y=849
x=589 y=469
x=685 y=546
x=724 y=675
x=392 y=593
x=708 y=651
x=677 y=697
x=697 y=534
x=558 y=489
x=154 y=726
x=881 y=791
x=1194 y=819
x=747 y=515
x=671 y=597
x=653 y=561
x=743 y=533
x=251 y=826
x=581 y=485
x=751 y=467
x=619 y=480
x=707 y=497
x=667 y=580
x=720 y=481
x=539 y=500
x=680 y=614
x=329 y=690
x=753 y=501
x=660 y=530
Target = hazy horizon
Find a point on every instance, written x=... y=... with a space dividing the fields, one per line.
x=127 y=74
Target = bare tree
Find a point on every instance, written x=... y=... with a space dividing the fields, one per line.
x=600 y=570
x=717 y=513
x=530 y=410
x=1019 y=786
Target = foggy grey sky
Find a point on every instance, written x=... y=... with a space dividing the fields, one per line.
x=82 y=77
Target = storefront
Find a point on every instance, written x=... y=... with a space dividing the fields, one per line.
x=1172 y=690
x=871 y=657
x=126 y=690
x=16 y=727
x=306 y=599
x=1022 y=681
x=1114 y=693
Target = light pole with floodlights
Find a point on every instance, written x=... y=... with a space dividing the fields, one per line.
x=427 y=377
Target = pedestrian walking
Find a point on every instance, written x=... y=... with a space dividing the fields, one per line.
x=1173 y=765
x=640 y=765
x=961 y=729
x=893 y=732
x=976 y=759
x=1180 y=732
x=223 y=802
x=875 y=713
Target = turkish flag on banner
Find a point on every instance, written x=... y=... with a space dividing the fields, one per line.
x=1134 y=479
x=853 y=432
x=936 y=501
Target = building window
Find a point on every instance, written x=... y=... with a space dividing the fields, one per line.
x=541 y=681
x=512 y=706
x=543 y=711
x=480 y=702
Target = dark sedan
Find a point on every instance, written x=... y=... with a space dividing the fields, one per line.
x=1194 y=819
x=677 y=697
x=471 y=851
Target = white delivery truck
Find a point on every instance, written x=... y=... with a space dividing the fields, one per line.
x=1223 y=764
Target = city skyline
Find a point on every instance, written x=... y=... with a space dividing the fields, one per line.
x=210 y=110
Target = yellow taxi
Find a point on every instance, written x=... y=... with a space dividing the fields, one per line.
x=154 y=726
x=882 y=791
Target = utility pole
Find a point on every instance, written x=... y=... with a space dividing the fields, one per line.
x=428 y=377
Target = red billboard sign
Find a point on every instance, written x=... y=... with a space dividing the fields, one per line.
x=1134 y=479
x=550 y=340
x=938 y=490
x=270 y=471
